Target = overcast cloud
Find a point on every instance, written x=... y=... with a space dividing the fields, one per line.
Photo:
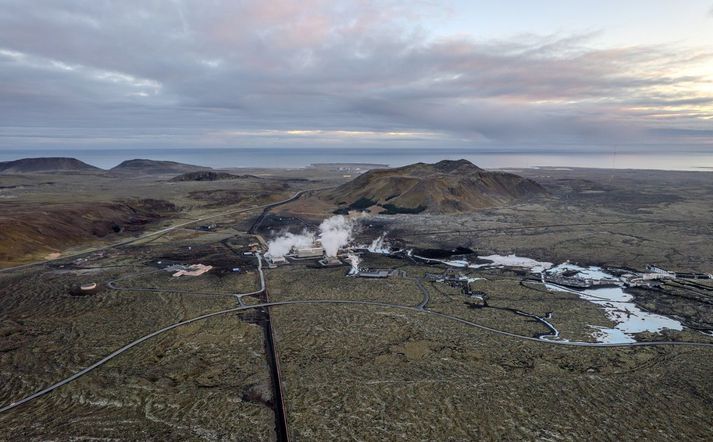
x=324 y=72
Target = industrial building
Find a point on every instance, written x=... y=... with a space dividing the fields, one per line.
x=375 y=273
x=309 y=252
x=274 y=261
x=664 y=274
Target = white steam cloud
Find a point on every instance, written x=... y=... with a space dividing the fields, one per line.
x=379 y=245
x=354 y=260
x=282 y=245
x=334 y=233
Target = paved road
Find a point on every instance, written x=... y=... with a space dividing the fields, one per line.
x=266 y=209
x=426 y=298
x=139 y=341
x=420 y=308
x=160 y=232
x=111 y=284
x=340 y=301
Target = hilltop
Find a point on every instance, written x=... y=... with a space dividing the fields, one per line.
x=445 y=187
x=205 y=175
x=47 y=164
x=154 y=167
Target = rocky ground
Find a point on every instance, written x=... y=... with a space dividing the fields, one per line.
x=368 y=372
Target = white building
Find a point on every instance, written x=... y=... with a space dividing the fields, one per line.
x=275 y=260
x=309 y=252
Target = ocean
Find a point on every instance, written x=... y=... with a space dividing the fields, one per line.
x=301 y=157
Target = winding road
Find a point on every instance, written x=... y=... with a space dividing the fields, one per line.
x=126 y=242
x=416 y=309
x=421 y=308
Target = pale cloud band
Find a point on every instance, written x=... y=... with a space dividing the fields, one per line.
x=317 y=72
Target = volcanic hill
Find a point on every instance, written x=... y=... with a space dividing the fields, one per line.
x=29 y=232
x=205 y=175
x=445 y=187
x=154 y=167
x=47 y=164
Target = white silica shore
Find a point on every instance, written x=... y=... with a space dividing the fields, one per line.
x=618 y=307
x=629 y=318
x=592 y=272
x=513 y=261
x=500 y=261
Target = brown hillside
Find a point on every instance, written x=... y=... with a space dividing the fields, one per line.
x=49 y=164
x=155 y=167
x=444 y=187
x=28 y=232
x=208 y=175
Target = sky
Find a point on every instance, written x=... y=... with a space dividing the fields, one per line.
x=518 y=74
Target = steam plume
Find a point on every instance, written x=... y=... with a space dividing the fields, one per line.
x=354 y=260
x=335 y=232
x=282 y=245
x=379 y=245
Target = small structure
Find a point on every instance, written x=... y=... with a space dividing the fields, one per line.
x=654 y=276
x=434 y=277
x=330 y=261
x=664 y=274
x=374 y=273
x=274 y=261
x=309 y=252
x=89 y=288
x=640 y=280
x=479 y=298
x=458 y=281
x=450 y=278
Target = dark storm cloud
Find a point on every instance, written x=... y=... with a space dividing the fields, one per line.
x=282 y=72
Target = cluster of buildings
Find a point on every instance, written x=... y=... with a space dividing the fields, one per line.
x=577 y=281
x=312 y=253
x=295 y=253
x=655 y=274
x=304 y=253
x=458 y=281
x=651 y=277
x=665 y=274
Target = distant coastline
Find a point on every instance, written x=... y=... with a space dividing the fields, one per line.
x=290 y=158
